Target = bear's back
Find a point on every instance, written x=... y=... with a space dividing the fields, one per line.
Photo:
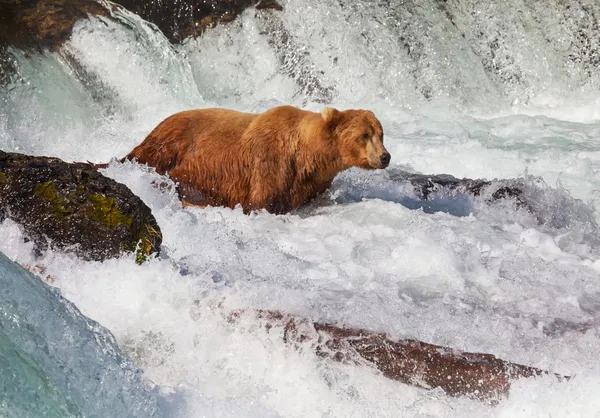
x=228 y=124
x=191 y=134
x=275 y=160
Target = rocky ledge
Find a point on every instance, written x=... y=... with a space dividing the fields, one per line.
x=46 y=24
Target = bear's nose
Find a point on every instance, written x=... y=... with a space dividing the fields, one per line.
x=385 y=158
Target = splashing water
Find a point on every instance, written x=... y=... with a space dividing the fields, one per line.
x=498 y=91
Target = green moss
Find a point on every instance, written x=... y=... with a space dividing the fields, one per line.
x=47 y=192
x=106 y=211
x=3 y=179
x=75 y=194
x=144 y=243
x=143 y=251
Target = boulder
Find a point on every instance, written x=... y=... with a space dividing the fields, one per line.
x=38 y=25
x=72 y=207
x=8 y=66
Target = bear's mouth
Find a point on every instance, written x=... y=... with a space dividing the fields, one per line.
x=369 y=166
x=375 y=166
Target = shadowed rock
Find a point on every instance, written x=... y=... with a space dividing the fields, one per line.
x=558 y=327
x=73 y=207
x=179 y=19
x=474 y=375
x=42 y=24
x=425 y=185
x=295 y=60
x=554 y=208
x=440 y=193
x=8 y=66
x=47 y=24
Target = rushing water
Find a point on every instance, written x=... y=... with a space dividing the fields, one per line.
x=496 y=90
x=56 y=362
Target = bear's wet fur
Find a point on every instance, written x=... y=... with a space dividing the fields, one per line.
x=276 y=160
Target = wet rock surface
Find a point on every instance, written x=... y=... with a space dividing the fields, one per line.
x=72 y=207
x=179 y=19
x=42 y=24
x=425 y=185
x=47 y=24
x=477 y=376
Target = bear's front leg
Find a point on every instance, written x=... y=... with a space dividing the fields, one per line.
x=269 y=187
x=264 y=196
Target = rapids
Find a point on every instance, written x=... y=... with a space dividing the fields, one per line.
x=494 y=90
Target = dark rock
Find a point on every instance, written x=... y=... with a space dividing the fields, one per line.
x=8 y=66
x=425 y=185
x=37 y=25
x=295 y=61
x=179 y=19
x=75 y=208
x=558 y=327
x=47 y=24
x=42 y=24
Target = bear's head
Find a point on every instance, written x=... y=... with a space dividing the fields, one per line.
x=359 y=137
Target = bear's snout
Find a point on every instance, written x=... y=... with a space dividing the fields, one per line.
x=385 y=159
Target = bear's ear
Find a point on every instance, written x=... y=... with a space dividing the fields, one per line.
x=331 y=116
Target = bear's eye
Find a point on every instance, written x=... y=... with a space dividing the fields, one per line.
x=366 y=136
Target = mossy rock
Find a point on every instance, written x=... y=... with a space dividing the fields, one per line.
x=73 y=207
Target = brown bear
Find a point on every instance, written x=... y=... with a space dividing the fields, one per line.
x=276 y=160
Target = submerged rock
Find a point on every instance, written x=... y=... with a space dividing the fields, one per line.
x=552 y=207
x=73 y=207
x=8 y=66
x=477 y=376
x=425 y=185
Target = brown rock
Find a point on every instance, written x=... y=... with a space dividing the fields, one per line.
x=474 y=375
x=42 y=24
x=179 y=19
x=47 y=24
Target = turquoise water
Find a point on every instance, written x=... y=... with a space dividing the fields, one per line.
x=26 y=389
x=55 y=362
